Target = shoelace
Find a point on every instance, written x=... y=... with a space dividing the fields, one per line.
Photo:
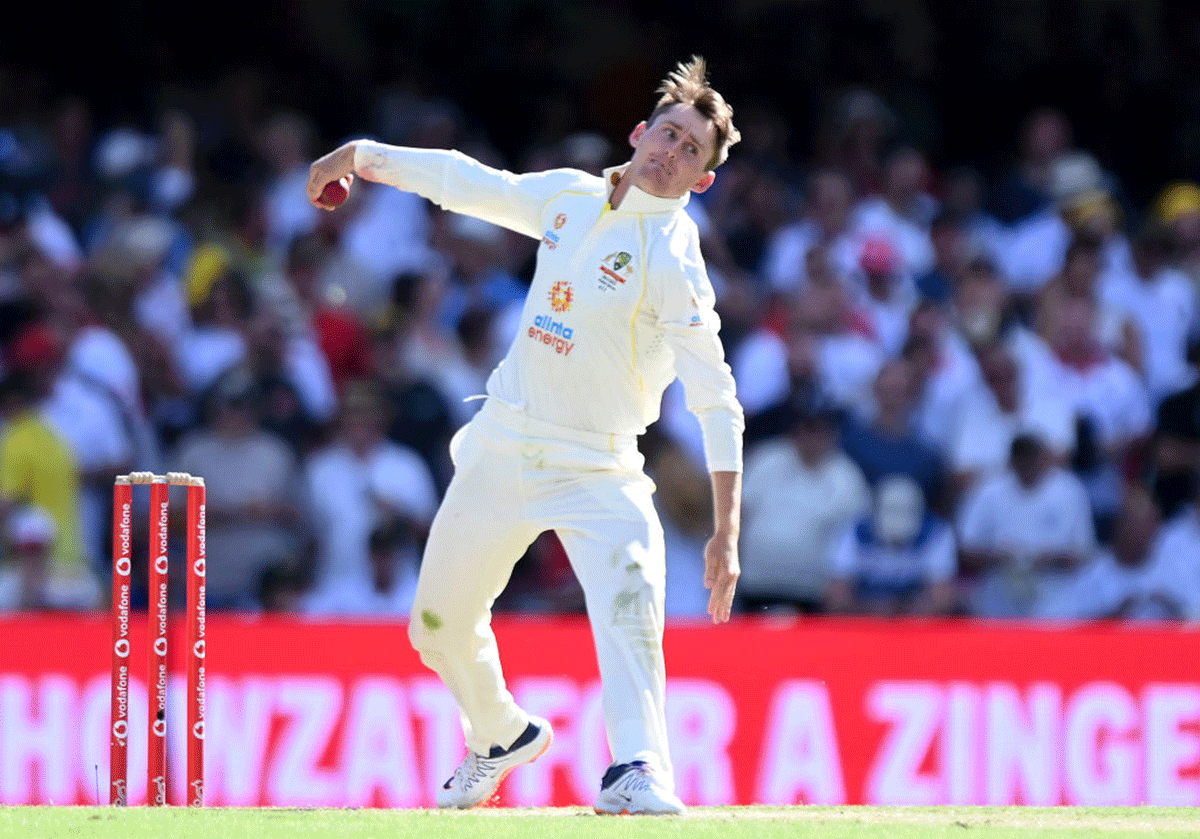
x=637 y=779
x=470 y=772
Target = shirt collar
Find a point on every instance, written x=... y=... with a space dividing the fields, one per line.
x=637 y=201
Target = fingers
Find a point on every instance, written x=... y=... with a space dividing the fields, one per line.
x=720 y=599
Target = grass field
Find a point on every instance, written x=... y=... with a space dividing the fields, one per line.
x=581 y=823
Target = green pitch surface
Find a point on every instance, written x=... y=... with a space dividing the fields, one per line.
x=581 y=823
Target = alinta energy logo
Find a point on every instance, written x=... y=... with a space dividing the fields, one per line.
x=561 y=296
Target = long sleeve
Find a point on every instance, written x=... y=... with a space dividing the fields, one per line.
x=456 y=182
x=692 y=325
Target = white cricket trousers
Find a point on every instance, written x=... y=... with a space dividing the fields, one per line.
x=516 y=477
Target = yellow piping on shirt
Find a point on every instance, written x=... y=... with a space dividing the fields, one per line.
x=633 y=358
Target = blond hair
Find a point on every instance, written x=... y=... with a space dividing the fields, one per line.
x=688 y=84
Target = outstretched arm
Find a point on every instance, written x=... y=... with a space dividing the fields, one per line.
x=450 y=179
x=721 y=566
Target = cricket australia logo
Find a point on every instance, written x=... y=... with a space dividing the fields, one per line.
x=561 y=296
x=615 y=269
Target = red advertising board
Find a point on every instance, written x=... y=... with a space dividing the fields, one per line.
x=816 y=711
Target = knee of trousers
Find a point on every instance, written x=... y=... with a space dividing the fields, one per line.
x=431 y=635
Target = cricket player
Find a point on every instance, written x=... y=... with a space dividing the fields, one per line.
x=619 y=306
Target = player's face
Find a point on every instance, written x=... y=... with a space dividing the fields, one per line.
x=670 y=156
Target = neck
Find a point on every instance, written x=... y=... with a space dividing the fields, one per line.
x=619 y=192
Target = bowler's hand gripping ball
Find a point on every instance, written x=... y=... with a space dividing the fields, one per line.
x=336 y=192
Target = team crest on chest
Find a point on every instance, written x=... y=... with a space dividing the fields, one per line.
x=615 y=269
x=561 y=296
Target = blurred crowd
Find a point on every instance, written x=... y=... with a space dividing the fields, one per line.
x=964 y=395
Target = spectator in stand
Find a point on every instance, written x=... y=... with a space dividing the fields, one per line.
x=825 y=224
x=1162 y=309
x=357 y=483
x=885 y=443
x=421 y=417
x=222 y=304
x=1023 y=532
x=311 y=316
x=1083 y=205
x=1177 y=209
x=25 y=578
x=897 y=560
x=952 y=248
x=389 y=589
x=1175 y=450
x=1176 y=558
x=902 y=211
x=853 y=136
x=883 y=296
x=683 y=500
x=944 y=371
x=254 y=498
x=1111 y=405
x=1045 y=137
x=478 y=276
x=136 y=253
x=285 y=142
x=463 y=376
x=1121 y=581
x=39 y=469
x=811 y=342
x=963 y=195
x=1080 y=278
x=994 y=411
x=800 y=492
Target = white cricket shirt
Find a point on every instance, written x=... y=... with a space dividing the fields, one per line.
x=619 y=305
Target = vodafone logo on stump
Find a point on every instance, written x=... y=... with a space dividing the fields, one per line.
x=160 y=564
x=123 y=566
x=121 y=648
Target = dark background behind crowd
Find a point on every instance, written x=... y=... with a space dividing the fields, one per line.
x=956 y=256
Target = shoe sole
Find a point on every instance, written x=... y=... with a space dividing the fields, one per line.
x=491 y=798
x=628 y=812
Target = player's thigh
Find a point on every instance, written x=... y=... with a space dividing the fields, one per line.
x=477 y=536
x=616 y=547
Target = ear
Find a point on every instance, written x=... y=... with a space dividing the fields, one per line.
x=635 y=136
x=705 y=182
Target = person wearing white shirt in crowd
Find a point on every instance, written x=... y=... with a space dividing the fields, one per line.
x=1161 y=302
x=1124 y=581
x=883 y=296
x=826 y=224
x=619 y=305
x=1023 y=532
x=357 y=483
x=800 y=493
x=1108 y=398
x=995 y=411
x=944 y=372
x=897 y=560
x=903 y=212
x=284 y=143
x=1083 y=203
x=387 y=592
x=1177 y=558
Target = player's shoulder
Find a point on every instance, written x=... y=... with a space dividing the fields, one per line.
x=566 y=181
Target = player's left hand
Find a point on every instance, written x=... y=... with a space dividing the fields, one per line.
x=721 y=572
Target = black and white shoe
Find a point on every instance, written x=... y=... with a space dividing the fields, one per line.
x=478 y=777
x=632 y=788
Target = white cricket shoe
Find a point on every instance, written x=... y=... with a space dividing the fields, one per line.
x=478 y=776
x=631 y=788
